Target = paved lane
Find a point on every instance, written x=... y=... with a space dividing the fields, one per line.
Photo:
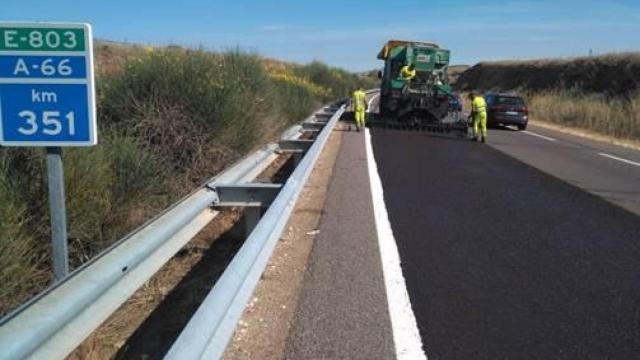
x=609 y=171
x=503 y=261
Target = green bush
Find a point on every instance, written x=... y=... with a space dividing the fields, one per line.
x=22 y=258
x=141 y=185
x=340 y=82
x=88 y=178
x=183 y=102
x=292 y=100
x=214 y=90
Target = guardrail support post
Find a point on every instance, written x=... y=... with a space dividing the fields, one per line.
x=313 y=125
x=245 y=195
x=253 y=197
x=296 y=147
x=311 y=133
x=297 y=157
x=251 y=218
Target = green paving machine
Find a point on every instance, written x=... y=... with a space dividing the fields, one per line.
x=424 y=101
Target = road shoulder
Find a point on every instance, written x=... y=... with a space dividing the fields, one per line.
x=343 y=310
x=586 y=134
x=263 y=329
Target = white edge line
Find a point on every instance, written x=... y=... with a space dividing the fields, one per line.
x=406 y=337
x=620 y=159
x=540 y=136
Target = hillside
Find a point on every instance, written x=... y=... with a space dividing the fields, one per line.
x=455 y=71
x=613 y=75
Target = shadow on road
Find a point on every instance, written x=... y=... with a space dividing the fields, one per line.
x=452 y=136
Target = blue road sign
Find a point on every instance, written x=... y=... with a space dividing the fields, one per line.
x=47 y=93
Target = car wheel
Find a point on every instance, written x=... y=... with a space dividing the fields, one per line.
x=522 y=127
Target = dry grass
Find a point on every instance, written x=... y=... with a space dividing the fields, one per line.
x=110 y=57
x=18 y=279
x=619 y=118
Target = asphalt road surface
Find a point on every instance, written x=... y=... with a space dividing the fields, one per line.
x=505 y=261
x=609 y=171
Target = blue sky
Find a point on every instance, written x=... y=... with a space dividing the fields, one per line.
x=349 y=33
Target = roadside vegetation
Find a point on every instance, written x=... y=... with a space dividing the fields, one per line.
x=169 y=119
x=615 y=116
x=599 y=94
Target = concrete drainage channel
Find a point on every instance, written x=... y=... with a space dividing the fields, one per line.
x=53 y=324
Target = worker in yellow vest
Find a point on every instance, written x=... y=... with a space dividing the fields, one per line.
x=479 y=116
x=359 y=104
x=408 y=72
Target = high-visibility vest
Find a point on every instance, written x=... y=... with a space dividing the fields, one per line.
x=359 y=100
x=407 y=73
x=478 y=105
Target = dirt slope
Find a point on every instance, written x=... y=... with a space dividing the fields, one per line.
x=612 y=75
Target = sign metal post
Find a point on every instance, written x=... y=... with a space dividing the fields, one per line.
x=55 y=176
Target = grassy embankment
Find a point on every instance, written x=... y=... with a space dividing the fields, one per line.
x=600 y=94
x=169 y=119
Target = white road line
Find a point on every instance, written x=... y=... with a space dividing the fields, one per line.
x=406 y=337
x=620 y=159
x=540 y=136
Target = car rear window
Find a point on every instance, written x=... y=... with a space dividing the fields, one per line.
x=504 y=100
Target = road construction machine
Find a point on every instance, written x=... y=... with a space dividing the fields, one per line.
x=423 y=101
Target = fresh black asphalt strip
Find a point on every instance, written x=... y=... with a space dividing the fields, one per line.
x=503 y=261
